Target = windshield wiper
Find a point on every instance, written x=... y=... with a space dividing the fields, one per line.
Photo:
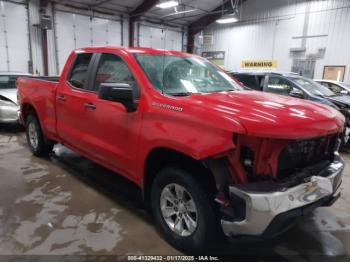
x=180 y=94
x=218 y=91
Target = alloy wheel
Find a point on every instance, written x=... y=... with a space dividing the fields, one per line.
x=178 y=209
x=33 y=135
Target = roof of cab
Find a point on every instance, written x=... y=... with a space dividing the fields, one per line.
x=135 y=50
x=329 y=81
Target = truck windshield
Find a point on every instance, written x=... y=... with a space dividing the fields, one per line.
x=313 y=87
x=180 y=75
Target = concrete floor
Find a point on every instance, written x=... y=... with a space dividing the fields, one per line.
x=69 y=205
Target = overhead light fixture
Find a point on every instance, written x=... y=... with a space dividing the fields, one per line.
x=180 y=12
x=167 y=4
x=227 y=19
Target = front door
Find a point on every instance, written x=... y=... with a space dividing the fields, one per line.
x=113 y=131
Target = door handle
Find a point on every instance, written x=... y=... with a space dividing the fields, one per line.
x=62 y=98
x=90 y=106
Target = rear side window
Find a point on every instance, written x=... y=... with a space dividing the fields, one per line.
x=335 y=88
x=248 y=81
x=324 y=84
x=79 y=71
x=279 y=86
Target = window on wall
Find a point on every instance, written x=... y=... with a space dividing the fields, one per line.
x=79 y=72
x=112 y=69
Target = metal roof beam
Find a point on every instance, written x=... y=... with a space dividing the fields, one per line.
x=145 y=6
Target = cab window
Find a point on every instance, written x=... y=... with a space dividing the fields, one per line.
x=113 y=69
x=79 y=71
x=248 y=81
x=324 y=84
x=335 y=88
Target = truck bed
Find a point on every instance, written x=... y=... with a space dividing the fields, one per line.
x=40 y=93
x=55 y=79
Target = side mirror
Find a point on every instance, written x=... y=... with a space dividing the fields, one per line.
x=297 y=93
x=118 y=92
x=344 y=92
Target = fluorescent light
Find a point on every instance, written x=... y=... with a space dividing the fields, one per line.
x=167 y=4
x=227 y=19
x=180 y=12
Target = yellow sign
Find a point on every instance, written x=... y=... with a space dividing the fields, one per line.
x=259 y=64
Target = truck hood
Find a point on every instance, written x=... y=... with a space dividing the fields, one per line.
x=269 y=115
x=10 y=94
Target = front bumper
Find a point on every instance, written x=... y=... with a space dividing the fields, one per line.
x=9 y=114
x=262 y=208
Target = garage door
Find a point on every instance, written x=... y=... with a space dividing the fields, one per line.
x=14 y=37
x=75 y=31
x=157 y=38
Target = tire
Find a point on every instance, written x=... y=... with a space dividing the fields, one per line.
x=37 y=143
x=207 y=229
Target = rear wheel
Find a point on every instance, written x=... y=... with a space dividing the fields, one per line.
x=183 y=210
x=35 y=138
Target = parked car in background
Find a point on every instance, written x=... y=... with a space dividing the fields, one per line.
x=291 y=84
x=209 y=157
x=9 y=108
x=337 y=87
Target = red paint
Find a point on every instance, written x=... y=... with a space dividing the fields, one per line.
x=205 y=127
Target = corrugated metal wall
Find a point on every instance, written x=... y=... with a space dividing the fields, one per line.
x=35 y=37
x=14 y=38
x=75 y=31
x=159 y=37
x=270 y=29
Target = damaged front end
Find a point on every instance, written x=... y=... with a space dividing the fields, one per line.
x=264 y=184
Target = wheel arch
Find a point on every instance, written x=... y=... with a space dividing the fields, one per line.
x=26 y=110
x=161 y=157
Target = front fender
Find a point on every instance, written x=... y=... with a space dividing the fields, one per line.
x=194 y=137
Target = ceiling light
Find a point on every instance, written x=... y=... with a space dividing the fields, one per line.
x=180 y=12
x=227 y=19
x=167 y=4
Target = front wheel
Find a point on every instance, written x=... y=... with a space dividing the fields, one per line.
x=183 y=210
x=35 y=138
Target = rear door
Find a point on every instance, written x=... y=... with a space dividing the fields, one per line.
x=72 y=103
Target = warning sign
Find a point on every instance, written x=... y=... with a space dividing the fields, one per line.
x=261 y=64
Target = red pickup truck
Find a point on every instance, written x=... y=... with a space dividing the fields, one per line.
x=209 y=157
